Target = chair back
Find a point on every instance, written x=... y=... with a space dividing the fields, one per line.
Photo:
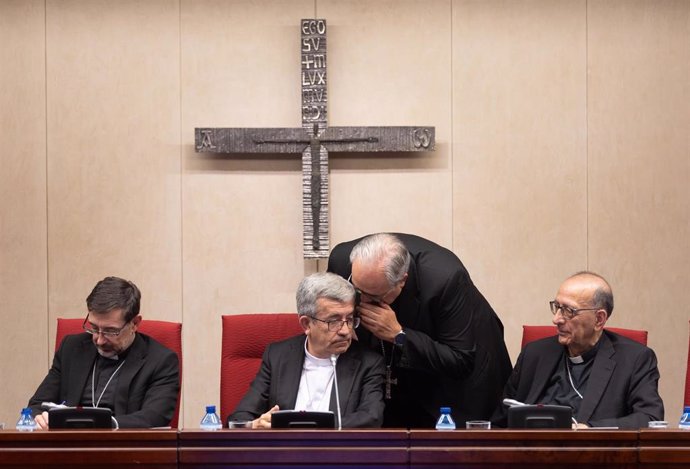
x=168 y=334
x=245 y=337
x=532 y=333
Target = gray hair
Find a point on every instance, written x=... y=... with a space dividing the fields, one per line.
x=322 y=285
x=603 y=295
x=386 y=248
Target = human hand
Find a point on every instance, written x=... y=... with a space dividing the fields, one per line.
x=579 y=425
x=380 y=319
x=264 y=421
x=42 y=421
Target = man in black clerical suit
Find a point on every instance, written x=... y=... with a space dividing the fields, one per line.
x=111 y=365
x=608 y=380
x=298 y=373
x=441 y=340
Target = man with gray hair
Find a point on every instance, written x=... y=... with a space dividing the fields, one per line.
x=441 y=340
x=298 y=373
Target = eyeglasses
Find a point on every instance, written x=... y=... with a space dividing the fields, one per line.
x=335 y=325
x=372 y=298
x=108 y=332
x=566 y=311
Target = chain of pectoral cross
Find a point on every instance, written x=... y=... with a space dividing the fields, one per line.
x=389 y=370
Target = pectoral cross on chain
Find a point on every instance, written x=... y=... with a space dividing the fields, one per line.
x=312 y=138
x=389 y=380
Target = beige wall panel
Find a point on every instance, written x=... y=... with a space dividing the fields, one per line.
x=562 y=144
x=519 y=152
x=639 y=167
x=23 y=267
x=389 y=64
x=113 y=152
x=242 y=225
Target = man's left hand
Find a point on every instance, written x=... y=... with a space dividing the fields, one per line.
x=380 y=320
x=264 y=420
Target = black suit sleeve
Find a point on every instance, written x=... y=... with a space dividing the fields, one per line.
x=453 y=351
x=339 y=261
x=160 y=396
x=368 y=411
x=642 y=400
x=49 y=389
x=510 y=391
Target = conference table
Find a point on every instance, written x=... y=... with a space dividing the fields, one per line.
x=368 y=449
x=60 y=449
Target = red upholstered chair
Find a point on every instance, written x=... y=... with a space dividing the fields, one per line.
x=687 y=380
x=245 y=337
x=167 y=333
x=532 y=333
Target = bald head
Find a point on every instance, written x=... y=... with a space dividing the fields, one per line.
x=588 y=297
x=379 y=268
x=595 y=287
x=384 y=252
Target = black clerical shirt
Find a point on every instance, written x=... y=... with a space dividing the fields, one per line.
x=569 y=379
x=104 y=394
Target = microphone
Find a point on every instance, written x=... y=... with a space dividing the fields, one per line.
x=52 y=405
x=334 y=358
x=512 y=402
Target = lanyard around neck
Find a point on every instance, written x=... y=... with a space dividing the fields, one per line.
x=95 y=403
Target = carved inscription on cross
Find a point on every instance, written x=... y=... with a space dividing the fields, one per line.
x=314 y=139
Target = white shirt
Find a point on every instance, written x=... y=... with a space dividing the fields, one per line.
x=315 y=384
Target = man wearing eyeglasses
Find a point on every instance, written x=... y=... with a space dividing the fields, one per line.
x=442 y=342
x=607 y=379
x=299 y=373
x=111 y=365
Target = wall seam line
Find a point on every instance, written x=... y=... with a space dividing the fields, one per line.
x=587 y=133
x=451 y=139
x=45 y=108
x=181 y=169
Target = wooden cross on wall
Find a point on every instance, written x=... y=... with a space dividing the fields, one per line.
x=312 y=139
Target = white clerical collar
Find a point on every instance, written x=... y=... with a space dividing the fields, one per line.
x=111 y=357
x=310 y=359
x=586 y=356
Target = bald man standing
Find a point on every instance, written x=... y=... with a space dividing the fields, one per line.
x=607 y=379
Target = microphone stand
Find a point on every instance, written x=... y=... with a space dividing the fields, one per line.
x=334 y=358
